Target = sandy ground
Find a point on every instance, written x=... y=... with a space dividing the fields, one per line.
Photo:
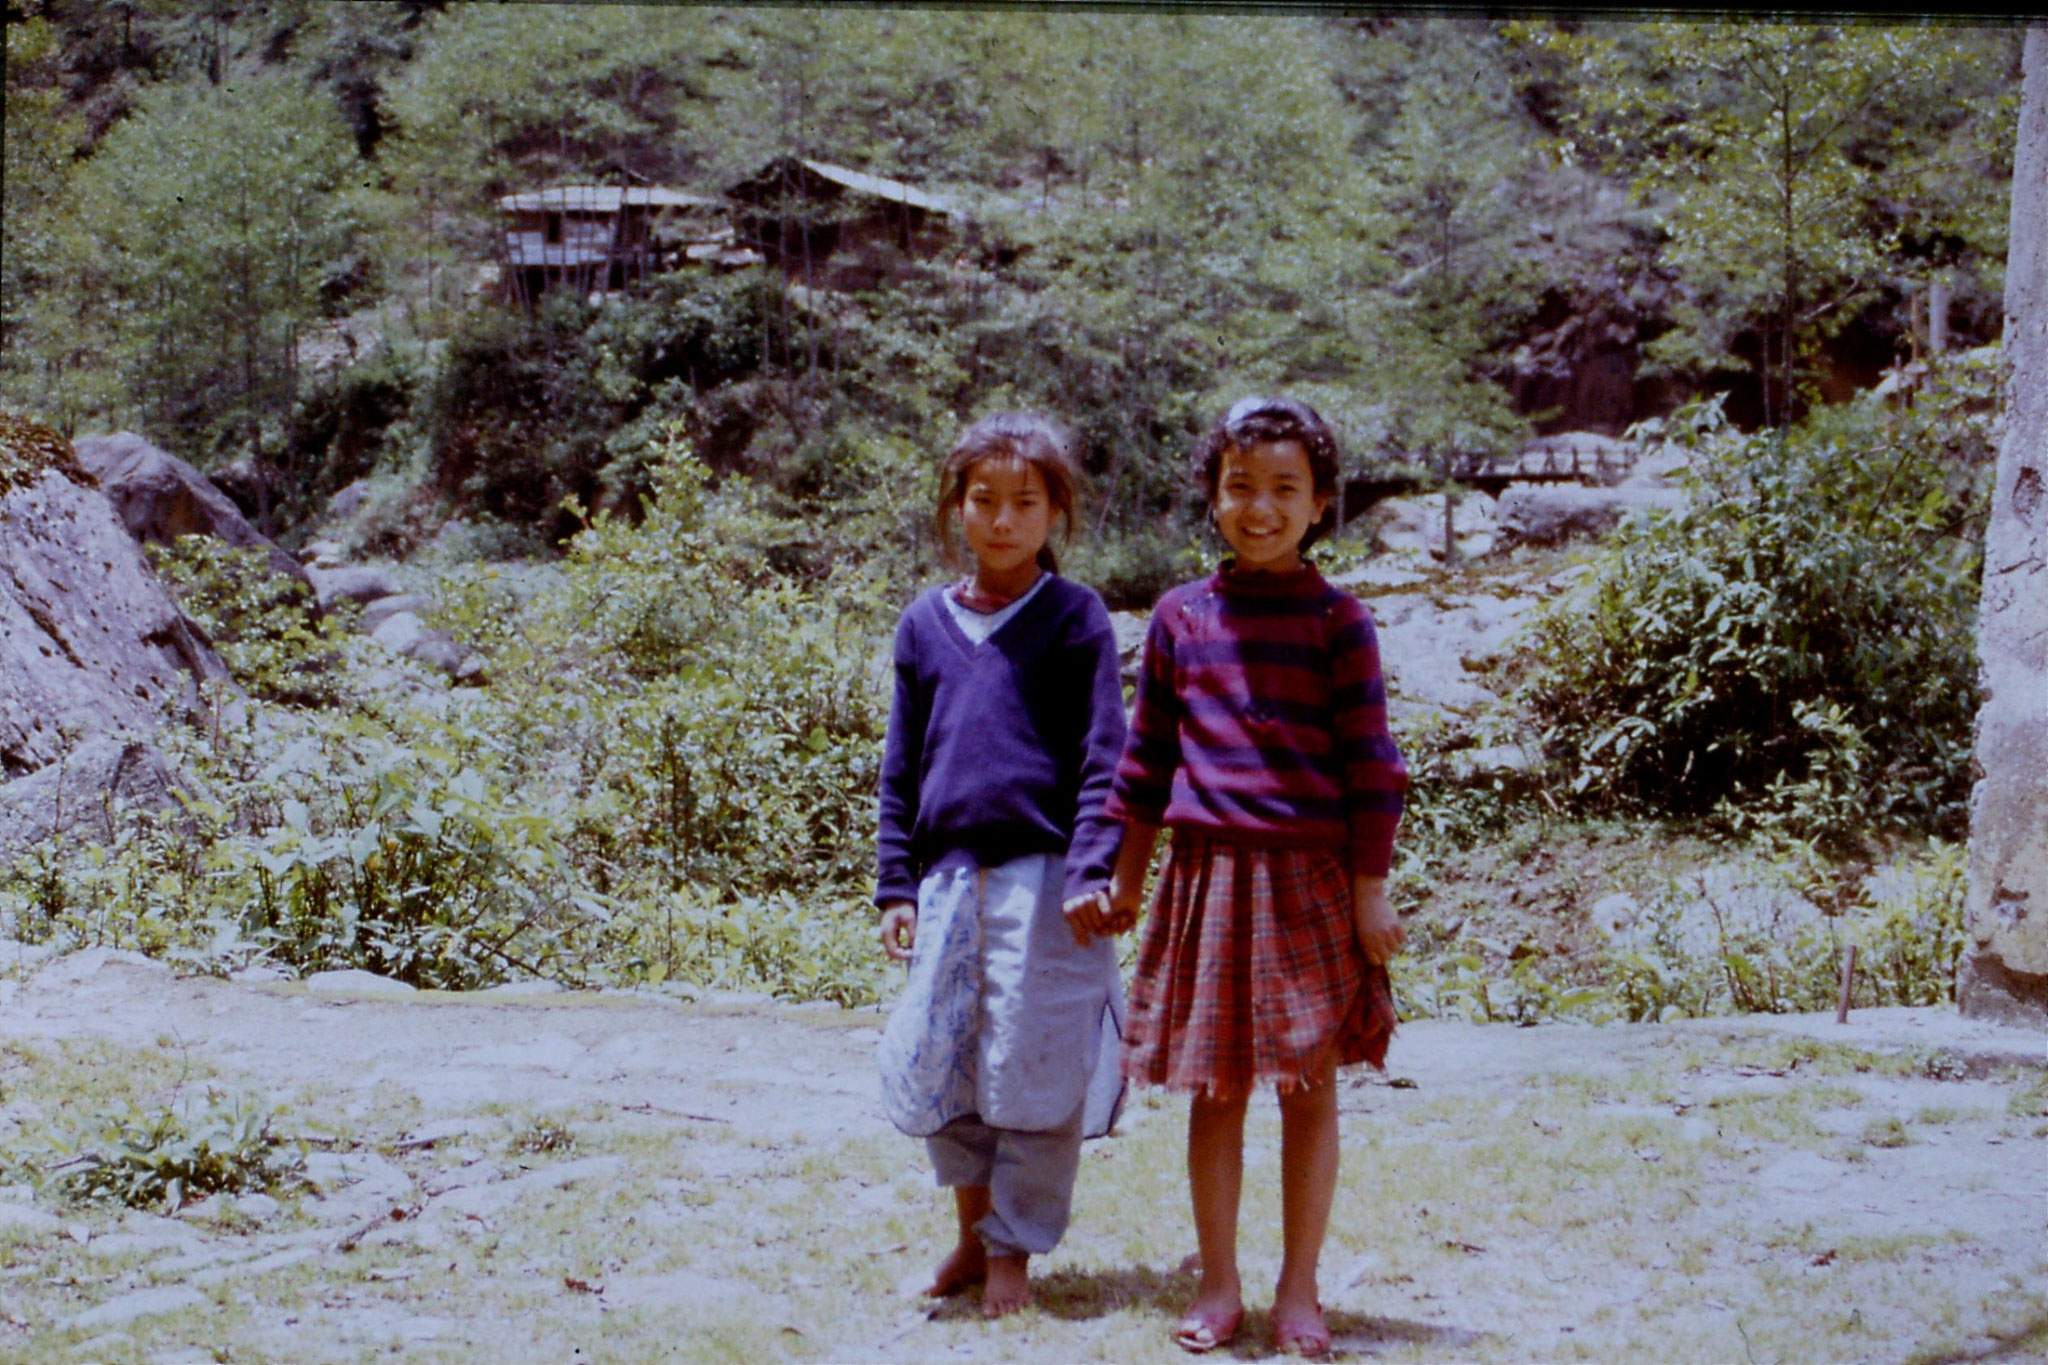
x=416 y=1084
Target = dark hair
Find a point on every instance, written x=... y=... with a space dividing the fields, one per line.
x=1020 y=437
x=1256 y=421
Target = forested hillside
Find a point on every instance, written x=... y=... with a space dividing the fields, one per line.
x=1447 y=233
x=670 y=504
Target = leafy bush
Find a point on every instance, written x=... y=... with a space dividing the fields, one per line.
x=523 y=413
x=1909 y=940
x=411 y=862
x=1486 y=984
x=1134 y=570
x=265 y=625
x=161 y=1158
x=1793 y=649
x=1689 y=954
x=671 y=778
x=342 y=425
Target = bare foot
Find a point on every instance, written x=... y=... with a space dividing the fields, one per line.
x=966 y=1265
x=1008 y=1288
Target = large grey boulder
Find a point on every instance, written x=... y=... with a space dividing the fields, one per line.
x=160 y=497
x=404 y=633
x=2004 y=972
x=90 y=644
x=1430 y=645
x=86 y=792
x=1552 y=513
x=1415 y=526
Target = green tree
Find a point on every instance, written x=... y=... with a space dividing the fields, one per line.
x=1763 y=147
x=501 y=98
x=206 y=221
x=1448 y=162
x=41 y=138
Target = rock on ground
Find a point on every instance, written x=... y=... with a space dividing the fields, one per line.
x=1416 y=525
x=1428 y=645
x=362 y=583
x=90 y=644
x=160 y=497
x=86 y=791
x=1550 y=514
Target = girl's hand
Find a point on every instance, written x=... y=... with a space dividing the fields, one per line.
x=1127 y=881
x=1379 y=929
x=899 y=929
x=1122 y=917
x=1089 y=915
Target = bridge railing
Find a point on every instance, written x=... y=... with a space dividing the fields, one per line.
x=1603 y=461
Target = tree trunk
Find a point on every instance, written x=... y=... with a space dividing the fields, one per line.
x=1788 y=172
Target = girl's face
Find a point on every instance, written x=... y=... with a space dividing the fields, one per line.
x=1006 y=517
x=1265 y=502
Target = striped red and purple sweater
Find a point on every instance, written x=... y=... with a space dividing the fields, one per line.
x=1262 y=718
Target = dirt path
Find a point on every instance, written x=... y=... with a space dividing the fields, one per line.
x=622 y=1177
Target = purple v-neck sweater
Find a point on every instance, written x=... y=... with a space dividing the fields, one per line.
x=1004 y=748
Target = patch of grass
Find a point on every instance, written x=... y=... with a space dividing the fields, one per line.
x=543 y=1135
x=1886 y=1133
x=1941 y=1115
x=1894 y=1248
x=1779 y=1117
x=1818 y=1057
x=2030 y=1102
x=91 y=1121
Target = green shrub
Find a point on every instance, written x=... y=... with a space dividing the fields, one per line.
x=1793 y=650
x=264 y=624
x=1132 y=570
x=409 y=861
x=524 y=412
x=1487 y=984
x=161 y=1158
x=342 y=425
x=1908 y=945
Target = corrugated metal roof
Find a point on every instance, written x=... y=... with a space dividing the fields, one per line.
x=881 y=187
x=601 y=199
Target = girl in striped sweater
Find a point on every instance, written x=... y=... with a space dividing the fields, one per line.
x=1260 y=739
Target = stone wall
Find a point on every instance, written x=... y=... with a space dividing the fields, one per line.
x=2004 y=973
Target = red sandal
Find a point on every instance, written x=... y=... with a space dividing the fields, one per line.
x=1198 y=1334
x=1309 y=1340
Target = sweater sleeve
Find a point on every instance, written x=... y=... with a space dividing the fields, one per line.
x=1375 y=776
x=902 y=758
x=1144 y=779
x=1091 y=856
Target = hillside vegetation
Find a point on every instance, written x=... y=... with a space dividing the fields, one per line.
x=674 y=521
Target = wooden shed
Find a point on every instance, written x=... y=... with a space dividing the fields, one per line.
x=837 y=227
x=601 y=237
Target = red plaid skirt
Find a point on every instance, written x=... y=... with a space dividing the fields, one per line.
x=1250 y=971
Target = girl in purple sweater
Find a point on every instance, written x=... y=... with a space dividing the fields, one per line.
x=1260 y=738
x=994 y=858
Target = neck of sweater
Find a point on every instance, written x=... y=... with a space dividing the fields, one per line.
x=1297 y=582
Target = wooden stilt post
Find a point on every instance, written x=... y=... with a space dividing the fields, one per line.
x=1848 y=980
